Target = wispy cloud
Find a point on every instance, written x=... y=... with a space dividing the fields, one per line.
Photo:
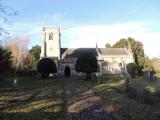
x=86 y=35
x=33 y=27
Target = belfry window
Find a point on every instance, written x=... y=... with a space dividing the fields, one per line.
x=50 y=36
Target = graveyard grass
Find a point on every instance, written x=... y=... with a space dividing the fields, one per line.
x=34 y=99
x=48 y=102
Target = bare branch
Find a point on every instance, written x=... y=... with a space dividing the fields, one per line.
x=5 y=12
x=4 y=31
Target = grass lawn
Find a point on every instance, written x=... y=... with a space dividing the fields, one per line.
x=111 y=90
x=35 y=99
x=48 y=100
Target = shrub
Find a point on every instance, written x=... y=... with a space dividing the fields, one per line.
x=46 y=66
x=132 y=93
x=151 y=95
x=147 y=97
x=132 y=69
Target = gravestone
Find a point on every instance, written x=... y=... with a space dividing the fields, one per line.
x=149 y=75
x=15 y=83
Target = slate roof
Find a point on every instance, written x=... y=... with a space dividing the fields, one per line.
x=113 y=51
x=75 y=52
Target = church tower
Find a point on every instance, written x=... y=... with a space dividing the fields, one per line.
x=51 y=43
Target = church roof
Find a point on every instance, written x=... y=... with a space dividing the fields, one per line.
x=113 y=51
x=75 y=52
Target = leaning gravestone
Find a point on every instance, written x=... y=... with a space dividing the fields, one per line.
x=15 y=83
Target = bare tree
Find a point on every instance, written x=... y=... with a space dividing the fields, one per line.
x=20 y=56
x=19 y=49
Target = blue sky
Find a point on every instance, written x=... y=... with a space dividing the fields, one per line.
x=85 y=22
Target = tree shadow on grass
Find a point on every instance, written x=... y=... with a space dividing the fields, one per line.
x=85 y=105
x=33 y=110
x=94 y=112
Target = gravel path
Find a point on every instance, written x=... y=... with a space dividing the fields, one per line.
x=82 y=104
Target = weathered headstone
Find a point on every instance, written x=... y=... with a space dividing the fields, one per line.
x=15 y=83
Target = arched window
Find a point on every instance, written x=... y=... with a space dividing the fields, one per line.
x=50 y=36
x=121 y=65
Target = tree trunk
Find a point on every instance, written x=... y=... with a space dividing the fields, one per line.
x=88 y=76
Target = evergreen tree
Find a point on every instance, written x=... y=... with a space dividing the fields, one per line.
x=46 y=66
x=5 y=59
x=86 y=63
x=148 y=65
x=108 y=45
x=35 y=53
x=137 y=49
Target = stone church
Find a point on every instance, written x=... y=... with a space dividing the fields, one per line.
x=110 y=60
